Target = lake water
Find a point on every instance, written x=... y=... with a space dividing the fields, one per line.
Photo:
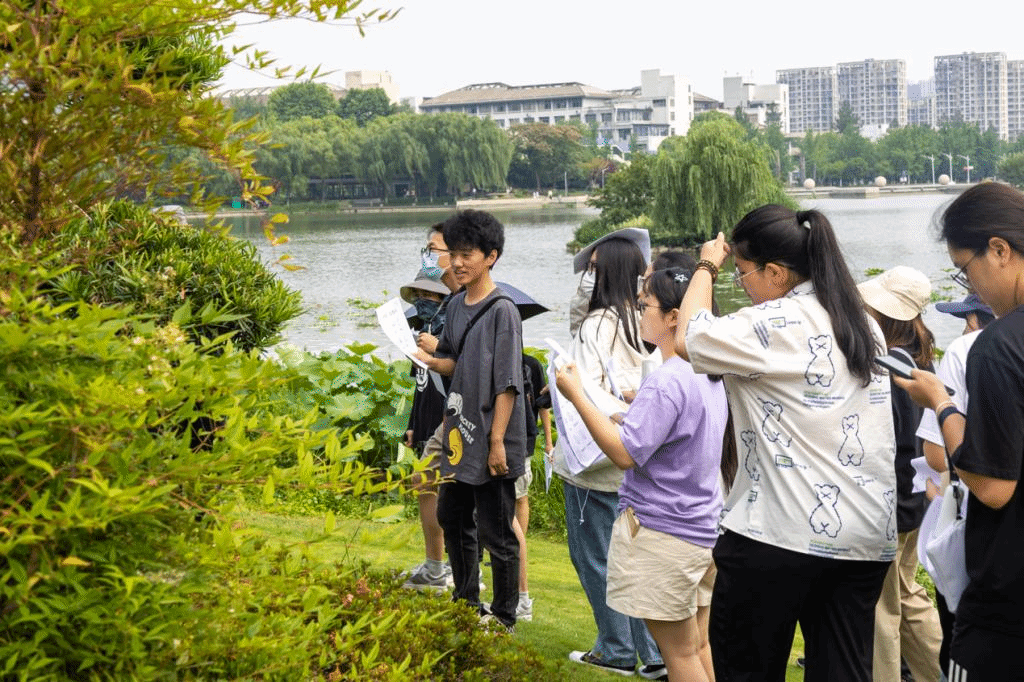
x=355 y=261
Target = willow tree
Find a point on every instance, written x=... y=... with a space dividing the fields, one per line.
x=703 y=183
x=463 y=151
x=94 y=93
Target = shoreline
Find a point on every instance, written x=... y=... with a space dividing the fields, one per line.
x=573 y=202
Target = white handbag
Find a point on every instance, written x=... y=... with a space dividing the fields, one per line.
x=944 y=556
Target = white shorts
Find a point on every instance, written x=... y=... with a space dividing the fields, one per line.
x=657 y=576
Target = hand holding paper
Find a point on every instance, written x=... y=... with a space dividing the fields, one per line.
x=392 y=320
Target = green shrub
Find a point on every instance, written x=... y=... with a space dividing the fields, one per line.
x=205 y=281
x=119 y=441
x=289 y=617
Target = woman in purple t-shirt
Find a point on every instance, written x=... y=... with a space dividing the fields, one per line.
x=670 y=444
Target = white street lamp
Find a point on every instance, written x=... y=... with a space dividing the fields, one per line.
x=932 y=159
x=950 y=157
x=967 y=167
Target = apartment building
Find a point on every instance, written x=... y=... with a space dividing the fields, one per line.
x=876 y=91
x=662 y=105
x=761 y=105
x=972 y=87
x=1015 y=99
x=354 y=80
x=921 y=103
x=813 y=97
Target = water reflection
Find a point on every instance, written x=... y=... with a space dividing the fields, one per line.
x=355 y=261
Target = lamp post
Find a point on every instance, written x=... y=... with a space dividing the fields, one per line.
x=950 y=157
x=967 y=167
x=932 y=159
x=603 y=169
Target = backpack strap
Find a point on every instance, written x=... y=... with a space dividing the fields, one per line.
x=473 y=320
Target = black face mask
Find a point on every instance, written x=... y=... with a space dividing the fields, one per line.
x=426 y=309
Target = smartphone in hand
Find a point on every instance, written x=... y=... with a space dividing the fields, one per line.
x=901 y=368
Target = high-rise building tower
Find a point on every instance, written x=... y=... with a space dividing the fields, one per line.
x=876 y=91
x=1015 y=99
x=972 y=87
x=813 y=98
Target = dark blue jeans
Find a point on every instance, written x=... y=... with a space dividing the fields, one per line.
x=495 y=504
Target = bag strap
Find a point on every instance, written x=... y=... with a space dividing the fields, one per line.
x=473 y=320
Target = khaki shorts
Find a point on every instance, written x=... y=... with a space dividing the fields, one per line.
x=655 y=575
x=524 y=481
x=433 y=449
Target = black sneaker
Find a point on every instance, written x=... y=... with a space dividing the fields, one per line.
x=653 y=672
x=587 y=658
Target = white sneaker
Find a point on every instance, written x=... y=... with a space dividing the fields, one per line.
x=419 y=578
x=525 y=609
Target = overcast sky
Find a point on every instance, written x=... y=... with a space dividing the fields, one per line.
x=435 y=46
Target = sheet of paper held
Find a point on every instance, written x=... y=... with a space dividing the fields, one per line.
x=581 y=452
x=392 y=320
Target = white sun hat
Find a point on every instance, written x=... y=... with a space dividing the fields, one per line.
x=900 y=292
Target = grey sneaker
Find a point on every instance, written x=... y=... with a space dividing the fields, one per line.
x=419 y=579
x=525 y=610
x=491 y=622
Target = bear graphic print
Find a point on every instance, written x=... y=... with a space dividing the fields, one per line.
x=825 y=517
x=820 y=371
x=852 y=450
x=770 y=426
x=749 y=439
x=890 y=527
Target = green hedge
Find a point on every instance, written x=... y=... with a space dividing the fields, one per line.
x=207 y=282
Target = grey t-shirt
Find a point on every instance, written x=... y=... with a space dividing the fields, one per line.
x=491 y=362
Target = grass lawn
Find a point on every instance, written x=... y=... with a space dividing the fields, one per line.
x=561 y=616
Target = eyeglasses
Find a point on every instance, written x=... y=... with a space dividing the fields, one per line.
x=641 y=282
x=643 y=306
x=960 y=276
x=591 y=266
x=432 y=250
x=737 y=278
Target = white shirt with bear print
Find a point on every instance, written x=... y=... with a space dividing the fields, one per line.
x=815 y=447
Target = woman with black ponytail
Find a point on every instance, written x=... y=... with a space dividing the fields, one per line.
x=808 y=528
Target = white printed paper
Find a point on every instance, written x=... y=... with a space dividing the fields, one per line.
x=392 y=320
x=548 y=469
x=581 y=452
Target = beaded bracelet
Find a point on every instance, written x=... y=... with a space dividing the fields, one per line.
x=710 y=267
